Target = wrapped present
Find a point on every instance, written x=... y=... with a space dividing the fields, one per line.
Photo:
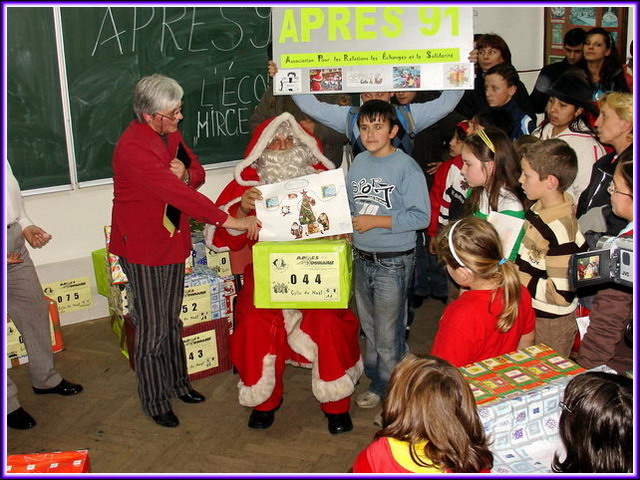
x=116 y=274
x=511 y=374
x=206 y=347
x=101 y=271
x=76 y=461
x=200 y=283
x=518 y=395
x=219 y=262
x=16 y=350
x=302 y=274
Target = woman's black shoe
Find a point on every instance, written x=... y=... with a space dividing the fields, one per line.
x=166 y=419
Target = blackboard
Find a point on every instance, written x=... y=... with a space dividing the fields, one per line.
x=217 y=54
x=36 y=144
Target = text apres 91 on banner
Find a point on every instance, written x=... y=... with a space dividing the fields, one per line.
x=356 y=49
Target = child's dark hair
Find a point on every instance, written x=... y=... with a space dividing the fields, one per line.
x=521 y=142
x=461 y=130
x=506 y=71
x=596 y=425
x=553 y=157
x=430 y=401
x=494 y=117
x=625 y=166
x=505 y=173
x=477 y=245
x=376 y=110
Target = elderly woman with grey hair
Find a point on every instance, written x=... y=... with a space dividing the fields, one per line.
x=155 y=180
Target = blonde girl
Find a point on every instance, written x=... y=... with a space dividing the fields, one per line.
x=492 y=171
x=431 y=423
x=494 y=316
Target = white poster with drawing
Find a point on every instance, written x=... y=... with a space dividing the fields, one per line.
x=312 y=206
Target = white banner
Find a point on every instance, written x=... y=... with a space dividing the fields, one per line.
x=312 y=206
x=369 y=49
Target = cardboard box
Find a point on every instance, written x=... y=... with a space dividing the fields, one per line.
x=302 y=274
x=499 y=377
x=76 y=461
x=16 y=350
x=206 y=347
x=101 y=271
x=219 y=262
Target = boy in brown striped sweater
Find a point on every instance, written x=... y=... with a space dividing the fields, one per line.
x=551 y=237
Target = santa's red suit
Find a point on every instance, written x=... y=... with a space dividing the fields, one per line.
x=264 y=339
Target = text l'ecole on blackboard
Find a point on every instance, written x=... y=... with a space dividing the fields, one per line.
x=71 y=72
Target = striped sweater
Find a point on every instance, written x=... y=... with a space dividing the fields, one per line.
x=551 y=236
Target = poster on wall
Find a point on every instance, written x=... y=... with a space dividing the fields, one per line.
x=559 y=20
x=371 y=49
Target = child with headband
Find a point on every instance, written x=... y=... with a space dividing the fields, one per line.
x=491 y=170
x=494 y=316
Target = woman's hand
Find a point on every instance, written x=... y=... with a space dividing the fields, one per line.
x=473 y=56
x=272 y=68
x=14 y=257
x=251 y=225
x=178 y=169
x=36 y=236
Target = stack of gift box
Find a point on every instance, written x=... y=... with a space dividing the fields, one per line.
x=518 y=397
x=207 y=308
x=16 y=350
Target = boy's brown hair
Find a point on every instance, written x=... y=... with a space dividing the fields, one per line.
x=552 y=157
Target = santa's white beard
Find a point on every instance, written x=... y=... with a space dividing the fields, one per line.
x=278 y=165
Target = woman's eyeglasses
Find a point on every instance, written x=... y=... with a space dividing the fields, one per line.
x=612 y=189
x=172 y=116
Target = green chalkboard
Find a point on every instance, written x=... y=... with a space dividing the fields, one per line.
x=36 y=145
x=217 y=54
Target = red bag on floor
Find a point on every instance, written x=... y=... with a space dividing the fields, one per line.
x=76 y=461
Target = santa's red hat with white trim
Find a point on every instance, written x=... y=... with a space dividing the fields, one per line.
x=262 y=137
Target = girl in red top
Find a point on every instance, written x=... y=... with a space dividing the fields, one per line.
x=431 y=423
x=495 y=315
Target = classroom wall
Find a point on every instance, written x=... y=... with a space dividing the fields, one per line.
x=76 y=218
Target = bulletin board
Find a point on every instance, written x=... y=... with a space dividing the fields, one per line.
x=559 y=20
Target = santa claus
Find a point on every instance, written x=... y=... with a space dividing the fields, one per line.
x=265 y=339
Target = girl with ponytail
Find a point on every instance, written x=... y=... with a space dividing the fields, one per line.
x=494 y=316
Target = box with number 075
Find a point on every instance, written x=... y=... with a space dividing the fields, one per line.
x=302 y=274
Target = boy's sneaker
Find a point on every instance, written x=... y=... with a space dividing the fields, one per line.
x=368 y=400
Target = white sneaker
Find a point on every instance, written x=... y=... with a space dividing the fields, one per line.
x=368 y=400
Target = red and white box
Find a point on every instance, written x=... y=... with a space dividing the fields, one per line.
x=76 y=461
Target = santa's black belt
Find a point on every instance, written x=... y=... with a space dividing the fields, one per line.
x=373 y=256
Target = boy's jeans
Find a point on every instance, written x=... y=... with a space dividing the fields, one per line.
x=381 y=290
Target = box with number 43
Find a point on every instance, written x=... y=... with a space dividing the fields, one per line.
x=302 y=274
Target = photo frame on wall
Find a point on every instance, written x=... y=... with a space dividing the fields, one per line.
x=559 y=20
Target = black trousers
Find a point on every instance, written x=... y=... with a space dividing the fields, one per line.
x=159 y=357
